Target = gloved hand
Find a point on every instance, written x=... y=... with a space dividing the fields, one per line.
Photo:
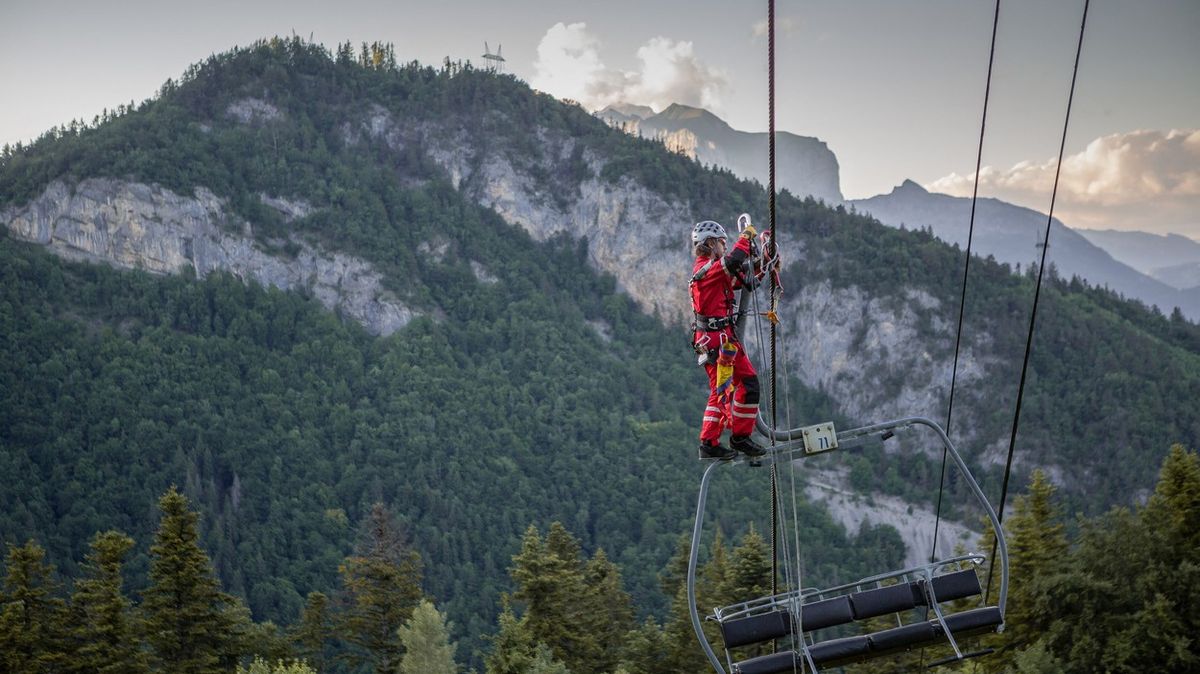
x=749 y=232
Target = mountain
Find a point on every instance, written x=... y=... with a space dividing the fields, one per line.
x=1011 y=233
x=1171 y=258
x=804 y=166
x=328 y=282
x=622 y=113
x=1150 y=269
x=1184 y=276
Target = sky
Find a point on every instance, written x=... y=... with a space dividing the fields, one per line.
x=895 y=88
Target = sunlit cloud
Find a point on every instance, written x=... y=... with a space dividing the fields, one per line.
x=1148 y=180
x=569 y=66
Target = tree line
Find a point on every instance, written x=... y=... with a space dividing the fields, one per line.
x=379 y=620
x=1122 y=597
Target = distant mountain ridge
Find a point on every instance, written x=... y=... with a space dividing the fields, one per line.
x=1173 y=259
x=804 y=166
x=1013 y=233
x=1008 y=232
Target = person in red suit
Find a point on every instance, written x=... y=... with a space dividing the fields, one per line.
x=732 y=380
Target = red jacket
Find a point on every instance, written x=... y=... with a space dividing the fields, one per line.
x=713 y=293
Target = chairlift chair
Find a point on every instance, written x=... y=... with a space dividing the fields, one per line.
x=803 y=614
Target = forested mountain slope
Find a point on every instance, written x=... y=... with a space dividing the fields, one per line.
x=525 y=389
x=518 y=268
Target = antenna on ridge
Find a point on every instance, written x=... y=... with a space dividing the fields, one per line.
x=495 y=62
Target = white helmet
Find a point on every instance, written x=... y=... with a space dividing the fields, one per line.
x=705 y=230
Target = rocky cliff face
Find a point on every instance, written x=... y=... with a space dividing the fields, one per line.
x=872 y=356
x=136 y=226
x=804 y=166
x=852 y=510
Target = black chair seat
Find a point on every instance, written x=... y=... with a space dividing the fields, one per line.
x=755 y=629
x=957 y=585
x=854 y=649
x=767 y=664
x=836 y=651
x=976 y=620
x=869 y=604
x=777 y=624
x=826 y=613
x=904 y=636
x=885 y=600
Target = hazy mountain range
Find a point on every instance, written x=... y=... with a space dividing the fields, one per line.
x=1157 y=270
x=1171 y=258
x=1012 y=234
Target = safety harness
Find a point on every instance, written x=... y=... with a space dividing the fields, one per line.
x=703 y=323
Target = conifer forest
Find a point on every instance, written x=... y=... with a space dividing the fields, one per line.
x=203 y=473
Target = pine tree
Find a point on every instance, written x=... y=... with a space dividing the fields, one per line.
x=683 y=653
x=716 y=574
x=426 y=641
x=105 y=632
x=1175 y=505
x=1130 y=599
x=311 y=634
x=607 y=610
x=643 y=649
x=549 y=581
x=513 y=646
x=1037 y=548
x=544 y=662
x=381 y=585
x=749 y=574
x=189 y=622
x=261 y=640
x=32 y=616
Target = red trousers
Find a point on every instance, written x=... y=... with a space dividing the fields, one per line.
x=738 y=416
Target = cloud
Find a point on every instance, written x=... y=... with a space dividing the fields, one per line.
x=1146 y=180
x=569 y=66
x=786 y=26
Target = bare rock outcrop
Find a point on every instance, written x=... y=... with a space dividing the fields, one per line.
x=915 y=525
x=138 y=226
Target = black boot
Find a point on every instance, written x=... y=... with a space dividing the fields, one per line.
x=743 y=444
x=715 y=451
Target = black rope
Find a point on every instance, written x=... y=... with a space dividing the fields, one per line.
x=1012 y=440
x=962 y=302
x=771 y=229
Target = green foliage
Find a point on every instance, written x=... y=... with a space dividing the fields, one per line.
x=1125 y=598
x=513 y=646
x=426 y=641
x=313 y=631
x=260 y=666
x=1038 y=550
x=105 y=631
x=643 y=649
x=191 y=626
x=608 y=610
x=33 y=619
x=492 y=412
x=381 y=586
x=561 y=600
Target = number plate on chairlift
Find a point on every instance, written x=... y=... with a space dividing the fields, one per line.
x=819 y=438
